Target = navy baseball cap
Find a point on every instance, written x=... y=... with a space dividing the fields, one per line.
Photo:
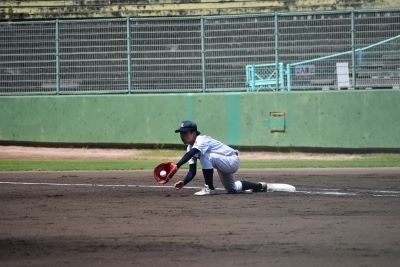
x=187 y=126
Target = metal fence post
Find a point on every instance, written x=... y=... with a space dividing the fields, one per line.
x=57 y=40
x=128 y=44
x=353 y=50
x=203 y=56
x=276 y=37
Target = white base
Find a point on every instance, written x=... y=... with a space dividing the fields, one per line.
x=280 y=188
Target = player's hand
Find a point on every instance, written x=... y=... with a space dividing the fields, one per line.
x=173 y=169
x=179 y=185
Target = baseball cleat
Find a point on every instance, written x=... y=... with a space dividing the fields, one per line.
x=206 y=191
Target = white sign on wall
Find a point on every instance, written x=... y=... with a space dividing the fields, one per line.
x=342 y=71
x=302 y=70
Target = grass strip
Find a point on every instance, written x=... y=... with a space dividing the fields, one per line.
x=384 y=160
x=78 y=165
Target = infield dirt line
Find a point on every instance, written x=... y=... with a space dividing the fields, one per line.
x=313 y=191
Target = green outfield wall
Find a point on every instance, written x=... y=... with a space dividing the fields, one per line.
x=321 y=119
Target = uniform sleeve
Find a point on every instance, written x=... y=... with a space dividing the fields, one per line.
x=187 y=157
x=202 y=144
x=191 y=173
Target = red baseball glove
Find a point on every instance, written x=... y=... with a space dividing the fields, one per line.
x=170 y=169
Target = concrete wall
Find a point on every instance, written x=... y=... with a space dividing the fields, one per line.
x=47 y=9
x=340 y=119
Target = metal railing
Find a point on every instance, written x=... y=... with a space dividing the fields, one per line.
x=201 y=54
x=357 y=68
x=265 y=77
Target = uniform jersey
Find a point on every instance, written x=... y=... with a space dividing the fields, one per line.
x=206 y=145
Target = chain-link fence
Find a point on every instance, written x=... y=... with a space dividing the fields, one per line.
x=290 y=51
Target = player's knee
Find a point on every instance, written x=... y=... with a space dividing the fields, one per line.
x=236 y=188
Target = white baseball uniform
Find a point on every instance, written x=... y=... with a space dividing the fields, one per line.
x=215 y=154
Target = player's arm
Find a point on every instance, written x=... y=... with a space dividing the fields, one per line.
x=192 y=168
x=190 y=154
x=190 y=174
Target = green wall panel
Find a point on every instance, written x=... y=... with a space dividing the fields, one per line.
x=334 y=119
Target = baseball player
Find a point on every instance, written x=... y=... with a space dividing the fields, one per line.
x=212 y=154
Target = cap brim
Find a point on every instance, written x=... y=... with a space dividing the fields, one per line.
x=182 y=130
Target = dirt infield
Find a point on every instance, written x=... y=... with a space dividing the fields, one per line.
x=339 y=217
